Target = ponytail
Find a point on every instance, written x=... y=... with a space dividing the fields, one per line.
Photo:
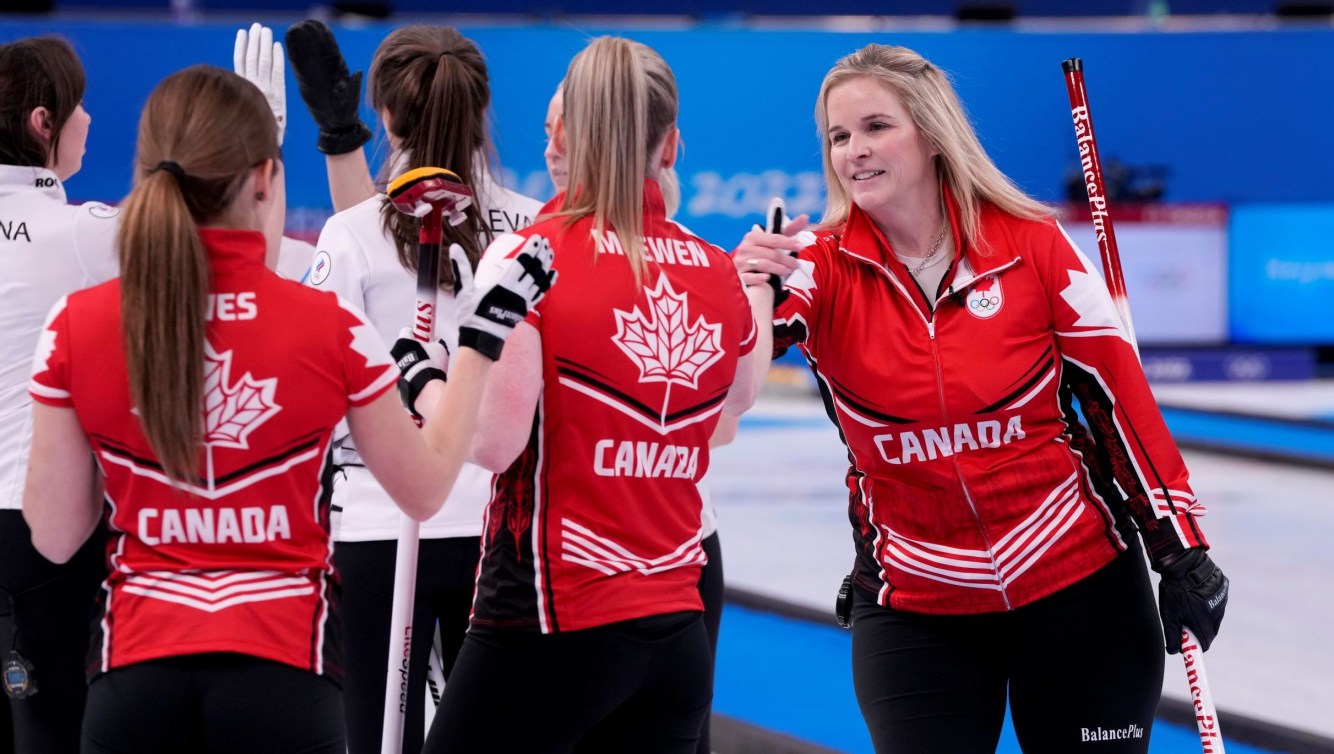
x=164 y=287
x=203 y=131
x=433 y=83
x=620 y=101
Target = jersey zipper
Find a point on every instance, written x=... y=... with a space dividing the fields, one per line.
x=958 y=469
x=929 y=319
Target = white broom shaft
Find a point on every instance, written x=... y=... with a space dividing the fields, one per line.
x=396 y=699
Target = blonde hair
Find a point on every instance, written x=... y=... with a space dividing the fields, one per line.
x=962 y=164
x=620 y=103
x=670 y=183
x=217 y=128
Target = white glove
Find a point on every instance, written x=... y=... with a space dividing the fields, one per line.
x=259 y=60
x=418 y=365
x=487 y=317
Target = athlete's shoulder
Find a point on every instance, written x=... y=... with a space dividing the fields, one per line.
x=526 y=205
x=1039 y=240
x=821 y=243
x=95 y=303
x=97 y=213
x=294 y=258
x=350 y=245
x=359 y=218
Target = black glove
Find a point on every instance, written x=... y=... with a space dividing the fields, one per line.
x=1192 y=594
x=418 y=364
x=330 y=93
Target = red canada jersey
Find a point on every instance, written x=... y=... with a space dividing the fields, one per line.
x=239 y=560
x=599 y=519
x=973 y=485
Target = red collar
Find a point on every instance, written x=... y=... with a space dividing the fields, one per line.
x=863 y=238
x=234 y=248
x=654 y=204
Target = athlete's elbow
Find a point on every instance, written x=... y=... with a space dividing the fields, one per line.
x=54 y=546
x=493 y=454
x=424 y=506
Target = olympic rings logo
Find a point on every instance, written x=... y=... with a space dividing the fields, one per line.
x=985 y=303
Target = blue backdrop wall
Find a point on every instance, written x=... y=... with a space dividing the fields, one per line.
x=1240 y=117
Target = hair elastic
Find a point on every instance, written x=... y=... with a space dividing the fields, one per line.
x=170 y=167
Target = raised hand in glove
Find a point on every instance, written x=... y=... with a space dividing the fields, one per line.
x=488 y=315
x=419 y=364
x=1192 y=594
x=259 y=60
x=332 y=95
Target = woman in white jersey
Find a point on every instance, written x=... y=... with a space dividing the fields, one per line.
x=429 y=83
x=50 y=248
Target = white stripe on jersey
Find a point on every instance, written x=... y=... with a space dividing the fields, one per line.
x=1009 y=557
x=212 y=591
x=585 y=547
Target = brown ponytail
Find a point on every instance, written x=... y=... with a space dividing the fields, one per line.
x=37 y=72
x=433 y=83
x=202 y=132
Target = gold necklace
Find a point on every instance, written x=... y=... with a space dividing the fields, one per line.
x=935 y=246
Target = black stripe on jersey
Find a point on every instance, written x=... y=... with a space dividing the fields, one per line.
x=788 y=334
x=332 y=647
x=100 y=639
x=847 y=397
x=827 y=398
x=506 y=575
x=553 y=623
x=1039 y=364
x=1095 y=473
x=638 y=406
x=859 y=513
x=1019 y=391
x=1151 y=471
x=300 y=445
x=1099 y=409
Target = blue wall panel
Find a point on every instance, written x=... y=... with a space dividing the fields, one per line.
x=1237 y=117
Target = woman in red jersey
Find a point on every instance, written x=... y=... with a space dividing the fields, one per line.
x=207 y=389
x=952 y=327
x=586 y=629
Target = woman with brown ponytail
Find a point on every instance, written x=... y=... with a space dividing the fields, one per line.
x=207 y=389
x=431 y=88
x=50 y=248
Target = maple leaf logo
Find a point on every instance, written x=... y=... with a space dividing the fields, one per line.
x=663 y=344
x=232 y=411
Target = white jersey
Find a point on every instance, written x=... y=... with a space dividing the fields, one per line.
x=357 y=260
x=50 y=248
x=294 y=257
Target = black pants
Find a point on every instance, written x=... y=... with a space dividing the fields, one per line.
x=52 y=607
x=638 y=686
x=213 y=704
x=446 y=571
x=1084 y=663
x=711 y=591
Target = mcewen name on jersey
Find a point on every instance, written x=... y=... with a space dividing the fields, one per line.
x=599 y=520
